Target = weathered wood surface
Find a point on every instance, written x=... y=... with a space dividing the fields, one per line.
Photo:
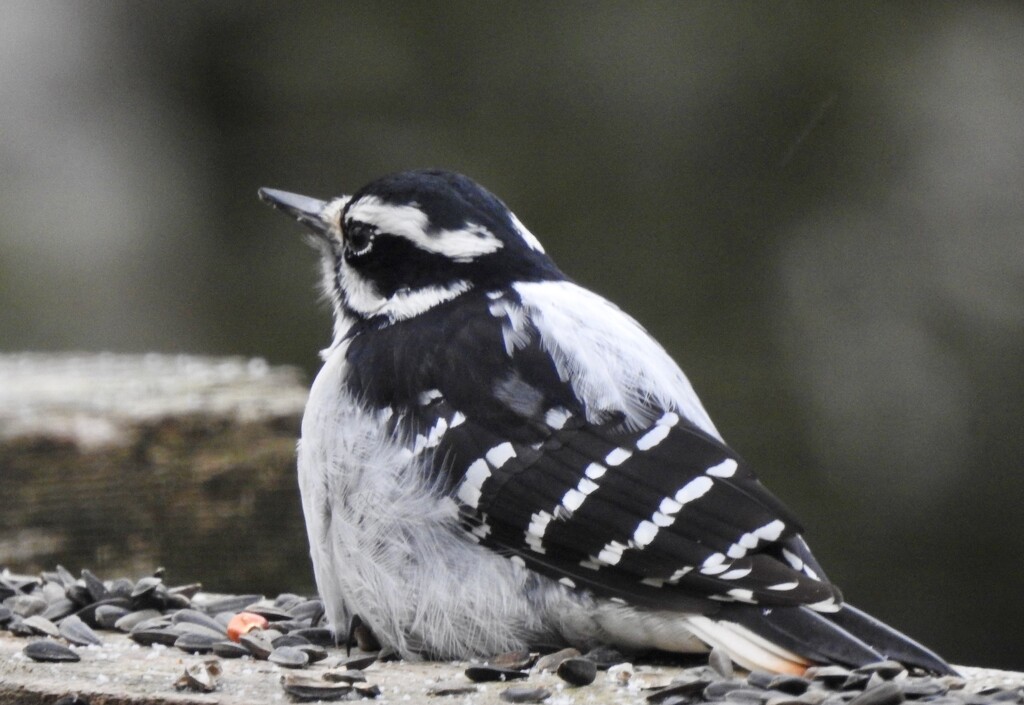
x=120 y=463
x=123 y=673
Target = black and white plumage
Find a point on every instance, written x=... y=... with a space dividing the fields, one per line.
x=494 y=457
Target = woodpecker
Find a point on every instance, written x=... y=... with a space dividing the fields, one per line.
x=494 y=457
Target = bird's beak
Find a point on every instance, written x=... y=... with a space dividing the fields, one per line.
x=304 y=209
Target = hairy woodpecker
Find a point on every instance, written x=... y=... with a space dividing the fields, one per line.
x=494 y=457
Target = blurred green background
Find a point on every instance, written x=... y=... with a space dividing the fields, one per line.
x=818 y=207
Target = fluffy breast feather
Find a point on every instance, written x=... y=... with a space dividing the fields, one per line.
x=386 y=545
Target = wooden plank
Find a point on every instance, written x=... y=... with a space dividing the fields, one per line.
x=121 y=463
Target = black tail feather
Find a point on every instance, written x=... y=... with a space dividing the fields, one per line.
x=805 y=632
x=848 y=637
x=890 y=642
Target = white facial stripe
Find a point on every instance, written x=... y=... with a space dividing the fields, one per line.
x=360 y=296
x=331 y=214
x=408 y=221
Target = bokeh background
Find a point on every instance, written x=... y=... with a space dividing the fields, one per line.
x=818 y=207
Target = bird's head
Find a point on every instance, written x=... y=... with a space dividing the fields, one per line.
x=410 y=241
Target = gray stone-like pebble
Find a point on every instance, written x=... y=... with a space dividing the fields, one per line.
x=605 y=657
x=366 y=690
x=919 y=688
x=145 y=586
x=97 y=590
x=106 y=616
x=134 y=619
x=58 y=609
x=78 y=632
x=719 y=690
x=269 y=612
x=26 y=605
x=690 y=690
x=357 y=663
x=760 y=679
x=196 y=643
x=257 y=645
x=888 y=693
x=192 y=628
x=449 y=688
x=191 y=616
x=231 y=604
x=550 y=662
x=121 y=587
x=316 y=653
x=829 y=676
x=348 y=676
x=317 y=635
x=520 y=660
x=290 y=640
x=147 y=637
x=524 y=694
x=307 y=609
x=488 y=674
x=50 y=651
x=748 y=695
x=53 y=592
x=229 y=649
x=41 y=625
x=792 y=685
x=577 y=671
x=289 y=657
x=307 y=689
x=886 y=669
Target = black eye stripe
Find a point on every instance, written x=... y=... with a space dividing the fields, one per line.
x=359 y=237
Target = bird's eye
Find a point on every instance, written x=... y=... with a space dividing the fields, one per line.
x=358 y=238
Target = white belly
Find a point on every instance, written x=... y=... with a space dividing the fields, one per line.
x=390 y=550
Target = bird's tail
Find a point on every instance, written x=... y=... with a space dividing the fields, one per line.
x=788 y=639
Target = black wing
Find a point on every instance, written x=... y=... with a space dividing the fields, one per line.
x=663 y=515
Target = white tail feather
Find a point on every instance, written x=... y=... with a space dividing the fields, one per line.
x=746 y=648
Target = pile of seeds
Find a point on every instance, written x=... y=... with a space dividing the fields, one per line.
x=62 y=614
x=718 y=683
x=71 y=612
